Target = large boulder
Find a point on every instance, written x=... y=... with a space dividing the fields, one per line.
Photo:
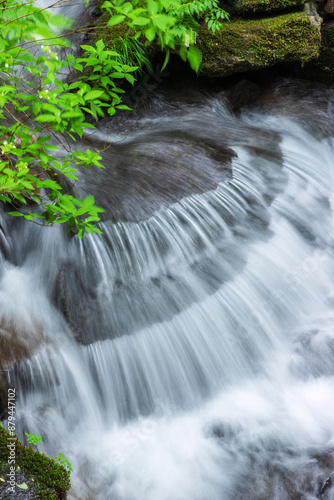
x=244 y=45
x=18 y=340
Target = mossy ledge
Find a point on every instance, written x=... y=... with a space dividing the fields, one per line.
x=49 y=479
x=245 y=45
x=254 y=7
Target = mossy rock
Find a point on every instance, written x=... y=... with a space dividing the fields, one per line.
x=251 y=7
x=45 y=478
x=109 y=33
x=244 y=45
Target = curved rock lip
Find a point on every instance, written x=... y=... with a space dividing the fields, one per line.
x=154 y=171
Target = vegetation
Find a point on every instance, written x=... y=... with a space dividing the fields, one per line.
x=42 y=116
x=50 y=480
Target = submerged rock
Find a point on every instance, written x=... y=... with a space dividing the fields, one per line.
x=243 y=93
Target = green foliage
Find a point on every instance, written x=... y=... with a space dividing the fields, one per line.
x=42 y=116
x=171 y=24
x=65 y=463
x=31 y=92
x=32 y=439
x=133 y=52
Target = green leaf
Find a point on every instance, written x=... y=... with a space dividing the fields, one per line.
x=100 y=45
x=140 y=21
x=183 y=53
x=43 y=140
x=88 y=48
x=126 y=7
x=23 y=486
x=93 y=94
x=88 y=202
x=150 y=34
x=166 y=60
x=72 y=114
x=46 y=118
x=123 y=106
x=130 y=79
x=194 y=58
x=115 y=20
x=152 y=7
x=163 y=22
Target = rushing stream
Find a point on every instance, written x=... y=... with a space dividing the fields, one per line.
x=189 y=351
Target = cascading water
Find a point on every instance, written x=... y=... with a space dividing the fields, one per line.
x=189 y=352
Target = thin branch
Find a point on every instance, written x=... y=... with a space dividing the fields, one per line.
x=83 y=29
x=36 y=11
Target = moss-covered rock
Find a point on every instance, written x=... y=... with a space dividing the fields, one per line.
x=109 y=34
x=45 y=478
x=243 y=45
x=251 y=7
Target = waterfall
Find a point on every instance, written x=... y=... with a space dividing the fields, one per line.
x=188 y=352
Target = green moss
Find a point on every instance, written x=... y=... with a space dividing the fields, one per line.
x=109 y=33
x=250 y=7
x=245 y=45
x=51 y=480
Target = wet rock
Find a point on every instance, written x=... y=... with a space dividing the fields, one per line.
x=152 y=169
x=155 y=170
x=281 y=474
x=242 y=94
x=18 y=340
x=96 y=314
